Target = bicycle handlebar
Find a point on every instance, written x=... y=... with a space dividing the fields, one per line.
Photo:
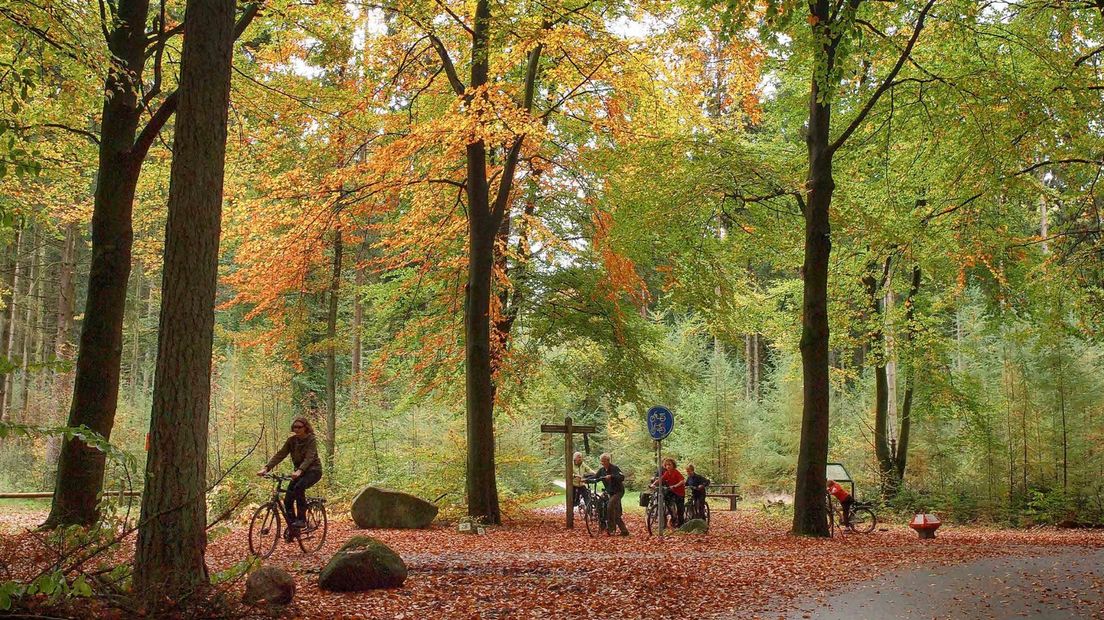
x=272 y=476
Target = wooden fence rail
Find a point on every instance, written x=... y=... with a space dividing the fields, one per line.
x=46 y=494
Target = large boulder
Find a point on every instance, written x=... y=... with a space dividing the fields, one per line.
x=269 y=584
x=364 y=563
x=694 y=526
x=383 y=508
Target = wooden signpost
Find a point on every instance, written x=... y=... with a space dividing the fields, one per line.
x=568 y=429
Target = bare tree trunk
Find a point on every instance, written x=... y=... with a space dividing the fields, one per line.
x=882 y=450
x=810 y=509
x=41 y=333
x=66 y=301
x=8 y=338
x=29 y=327
x=331 y=355
x=169 y=558
x=96 y=379
x=122 y=151
x=358 y=315
x=136 y=335
x=900 y=456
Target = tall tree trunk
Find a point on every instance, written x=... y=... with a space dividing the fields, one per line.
x=169 y=558
x=122 y=151
x=810 y=508
x=63 y=350
x=331 y=355
x=136 y=335
x=42 y=334
x=358 y=315
x=96 y=381
x=29 y=326
x=882 y=450
x=900 y=456
x=484 y=219
x=7 y=343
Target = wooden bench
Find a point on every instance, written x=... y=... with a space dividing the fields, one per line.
x=730 y=491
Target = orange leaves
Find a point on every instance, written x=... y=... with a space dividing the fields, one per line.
x=621 y=277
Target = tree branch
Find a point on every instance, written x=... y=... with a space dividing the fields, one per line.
x=145 y=139
x=887 y=82
x=449 y=66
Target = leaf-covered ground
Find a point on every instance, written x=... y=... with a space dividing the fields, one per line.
x=748 y=566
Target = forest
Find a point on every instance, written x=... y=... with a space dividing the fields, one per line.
x=854 y=231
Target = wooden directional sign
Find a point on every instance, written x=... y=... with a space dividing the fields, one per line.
x=562 y=428
x=567 y=429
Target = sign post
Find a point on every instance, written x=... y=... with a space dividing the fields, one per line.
x=660 y=423
x=568 y=429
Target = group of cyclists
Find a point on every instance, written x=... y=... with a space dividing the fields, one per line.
x=302 y=446
x=613 y=481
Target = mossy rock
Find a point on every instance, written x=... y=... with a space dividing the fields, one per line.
x=380 y=508
x=694 y=526
x=269 y=584
x=363 y=563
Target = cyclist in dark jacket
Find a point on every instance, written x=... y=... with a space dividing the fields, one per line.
x=696 y=482
x=302 y=445
x=614 y=483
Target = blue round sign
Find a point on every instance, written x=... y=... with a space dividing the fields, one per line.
x=660 y=422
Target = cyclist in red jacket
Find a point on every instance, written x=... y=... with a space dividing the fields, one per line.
x=844 y=498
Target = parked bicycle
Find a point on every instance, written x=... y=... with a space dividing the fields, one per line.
x=270 y=521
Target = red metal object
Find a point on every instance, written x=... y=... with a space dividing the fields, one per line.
x=925 y=524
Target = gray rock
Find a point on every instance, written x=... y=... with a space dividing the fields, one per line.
x=694 y=526
x=364 y=563
x=269 y=584
x=383 y=508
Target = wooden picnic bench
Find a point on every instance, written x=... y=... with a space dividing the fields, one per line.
x=730 y=491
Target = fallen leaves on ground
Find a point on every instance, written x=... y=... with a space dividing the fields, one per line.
x=747 y=566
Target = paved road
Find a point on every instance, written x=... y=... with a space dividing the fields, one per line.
x=1050 y=587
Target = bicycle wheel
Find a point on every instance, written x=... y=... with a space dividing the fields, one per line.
x=313 y=535
x=863 y=520
x=590 y=516
x=652 y=516
x=705 y=511
x=264 y=530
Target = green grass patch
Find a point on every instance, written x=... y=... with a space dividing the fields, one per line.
x=24 y=505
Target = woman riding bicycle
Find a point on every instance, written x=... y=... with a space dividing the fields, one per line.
x=302 y=445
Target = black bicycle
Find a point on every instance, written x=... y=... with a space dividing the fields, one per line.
x=652 y=509
x=861 y=520
x=265 y=527
x=697 y=507
x=595 y=508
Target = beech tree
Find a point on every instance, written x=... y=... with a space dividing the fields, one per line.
x=122 y=150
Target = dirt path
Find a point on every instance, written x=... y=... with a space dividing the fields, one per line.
x=1068 y=584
